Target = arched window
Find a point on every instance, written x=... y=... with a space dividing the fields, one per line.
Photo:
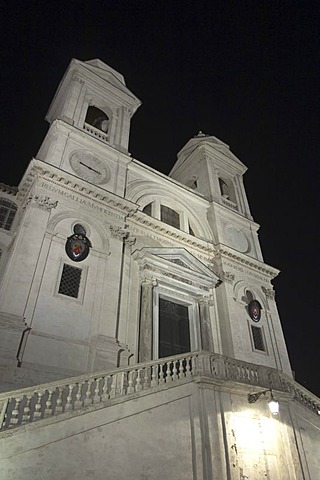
x=191 y=232
x=227 y=189
x=98 y=119
x=8 y=211
x=170 y=217
x=224 y=188
x=147 y=209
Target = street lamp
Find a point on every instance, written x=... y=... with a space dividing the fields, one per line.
x=272 y=404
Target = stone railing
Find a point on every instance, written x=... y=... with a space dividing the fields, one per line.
x=43 y=401
x=228 y=203
x=95 y=132
x=300 y=394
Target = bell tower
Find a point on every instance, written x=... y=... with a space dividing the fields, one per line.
x=93 y=97
x=89 y=121
x=248 y=319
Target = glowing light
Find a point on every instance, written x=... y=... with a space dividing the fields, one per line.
x=273 y=406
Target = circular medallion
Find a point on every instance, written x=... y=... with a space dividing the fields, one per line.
x=254 y=309
x=236 y=239
x=77 y=247
x=89 y=167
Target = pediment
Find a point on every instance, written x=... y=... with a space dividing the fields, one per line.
x=209 y=143
x=177 y=263
x=106 y=73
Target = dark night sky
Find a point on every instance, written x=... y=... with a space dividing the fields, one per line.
x=244 y=71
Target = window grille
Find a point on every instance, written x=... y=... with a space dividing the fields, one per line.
x=147 y=209
x=170 y=217
x=70 y=281
x=8 y=210
x=258 y=340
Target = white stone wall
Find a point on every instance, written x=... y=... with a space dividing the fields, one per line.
x=190 y=431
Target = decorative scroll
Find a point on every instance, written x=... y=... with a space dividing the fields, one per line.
x=42 y=202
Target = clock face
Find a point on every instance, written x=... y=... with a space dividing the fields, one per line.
x=89 y=167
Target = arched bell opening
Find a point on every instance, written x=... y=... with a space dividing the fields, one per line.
x=98 y=119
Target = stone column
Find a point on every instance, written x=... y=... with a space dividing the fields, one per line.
x=146 y=320
x=205 y=325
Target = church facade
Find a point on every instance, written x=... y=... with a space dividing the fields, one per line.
x=110 y=266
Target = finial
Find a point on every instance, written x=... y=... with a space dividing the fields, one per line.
x=201 y=134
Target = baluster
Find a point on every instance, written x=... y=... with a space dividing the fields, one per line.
x=68 y=405
x=138 y=381
x=161 y=374
x=96 y=396
x=105 y=394
x=154 y=376
x=59 y=400
x=88 y=399
x=48 y=408
x=26 y=410
x=38 y=407
x=174 y=375
x=130 y=388
x=78 y=401
x=188 y=366
x=169 y=372
x=113 y=386
x=120 y=384
x=180 y=368
x=15 y=412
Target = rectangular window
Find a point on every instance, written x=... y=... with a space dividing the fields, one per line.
x=170 y=217
x=174 y=331
x=70 y=281
x=258 y=340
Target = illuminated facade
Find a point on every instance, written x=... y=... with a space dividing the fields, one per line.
x=156 y=282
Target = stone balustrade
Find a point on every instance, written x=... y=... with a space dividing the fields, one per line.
x=95 y=132
x=43 y=401
x=228 y=203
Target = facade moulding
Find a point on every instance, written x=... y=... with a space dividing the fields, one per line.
x=122 y=234
x=40 y=201
x=166 y=232
x=7 y=189
x=65 y=182
x=225 y=253
x=227 y=277
x=269 y=292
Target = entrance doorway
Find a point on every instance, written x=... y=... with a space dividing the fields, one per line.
x=174 y=330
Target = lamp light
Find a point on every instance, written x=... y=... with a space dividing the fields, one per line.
x=272 y=404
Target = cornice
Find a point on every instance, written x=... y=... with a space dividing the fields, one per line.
x=7 y=189
x=39 y=170
x=228 y=253
x=162 y=229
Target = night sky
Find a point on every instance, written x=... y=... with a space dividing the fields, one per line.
x=244 y=71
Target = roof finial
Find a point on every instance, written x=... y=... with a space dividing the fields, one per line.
x=201 y=134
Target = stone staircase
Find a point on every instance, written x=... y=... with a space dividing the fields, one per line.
x=28 y=405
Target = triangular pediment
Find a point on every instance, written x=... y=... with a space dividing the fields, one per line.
x=211 y=144
x=178 y=264
x=105 y=72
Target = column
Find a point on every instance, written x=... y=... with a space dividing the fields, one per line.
x=146 y=320
x=205 y=325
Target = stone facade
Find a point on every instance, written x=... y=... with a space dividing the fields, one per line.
x=186 y=241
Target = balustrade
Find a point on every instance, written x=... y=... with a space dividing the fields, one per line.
x=95 y=132
x=44 y=401
x=27 y=405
